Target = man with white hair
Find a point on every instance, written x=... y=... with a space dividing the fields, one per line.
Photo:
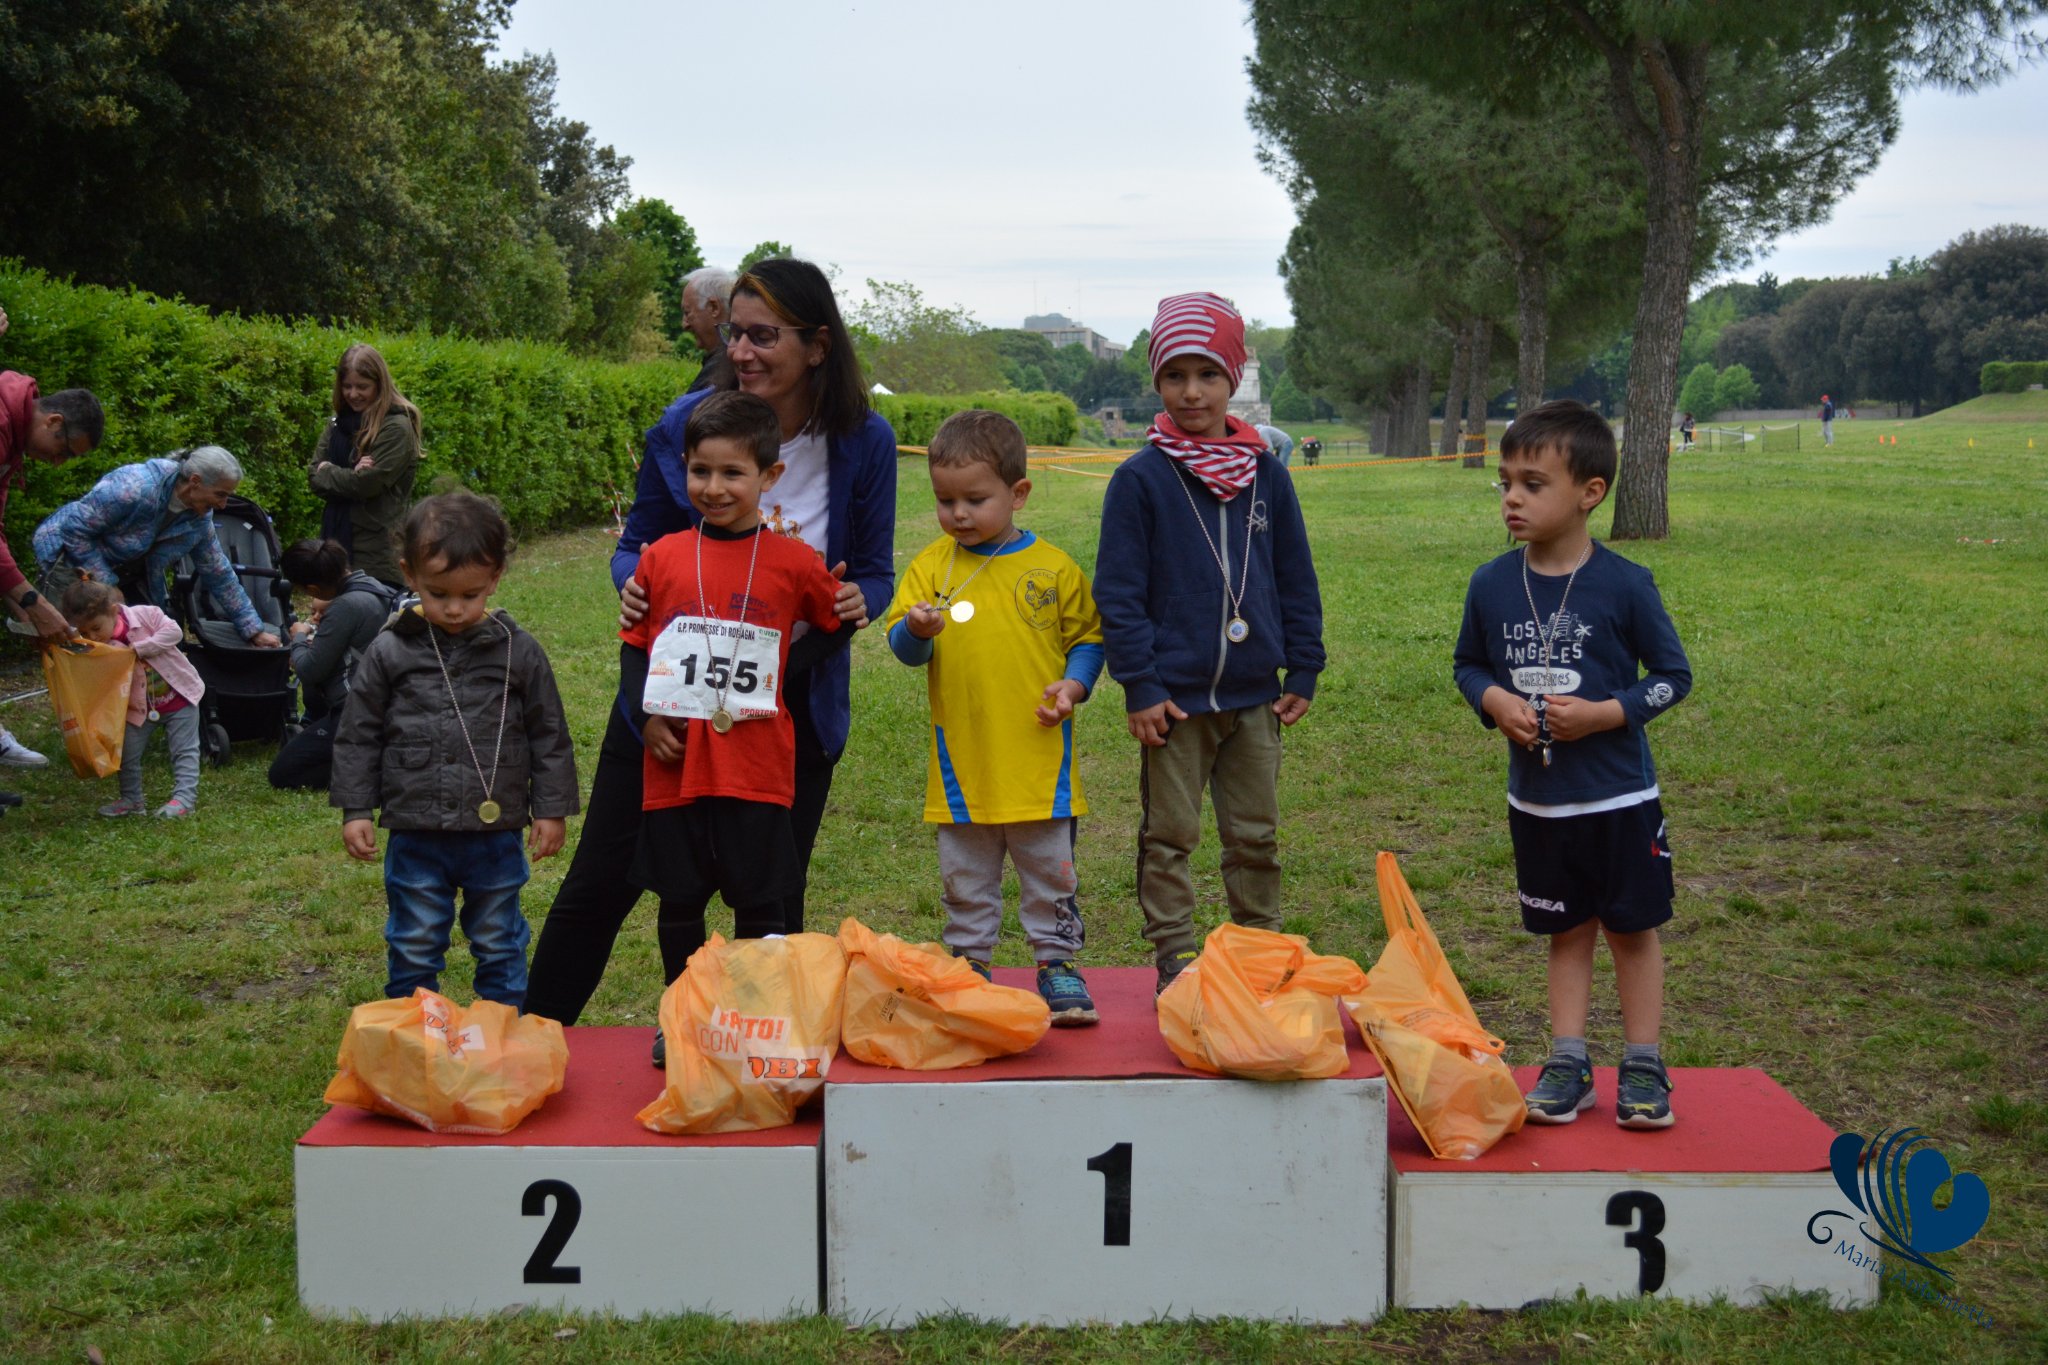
x=707 y=299
x=139 y=520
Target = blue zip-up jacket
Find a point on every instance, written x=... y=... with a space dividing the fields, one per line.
x=862 y=533
x=1162 y=597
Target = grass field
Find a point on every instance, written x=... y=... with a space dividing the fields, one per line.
x=1858 y=805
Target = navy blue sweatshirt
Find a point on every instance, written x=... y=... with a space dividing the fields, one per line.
x=1614 y=622
x=1162 y=598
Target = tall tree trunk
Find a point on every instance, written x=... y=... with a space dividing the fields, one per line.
x=1454 y=392
x=1532 y=321
x=1377 y=433
x=1477 y=391
x=1418 y=445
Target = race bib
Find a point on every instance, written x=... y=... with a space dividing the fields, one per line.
x=697 y=659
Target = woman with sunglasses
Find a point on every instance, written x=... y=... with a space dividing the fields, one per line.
x=786 y=344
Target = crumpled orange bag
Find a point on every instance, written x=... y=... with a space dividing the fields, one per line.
x=1261 y=1006
x=1440 y=1063
x=751 y=1027
x=449 y=1068
x=89 y=685
x=918 y=1007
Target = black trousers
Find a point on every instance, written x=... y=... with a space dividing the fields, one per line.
x=595 y=898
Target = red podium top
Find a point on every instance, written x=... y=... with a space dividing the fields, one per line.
x=610 y=1079
x=1125 y=1046
x=1729 y=1119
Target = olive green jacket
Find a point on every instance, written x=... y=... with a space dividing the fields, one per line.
x=378 y=498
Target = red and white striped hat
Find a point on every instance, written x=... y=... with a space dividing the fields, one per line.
x=1198 y=324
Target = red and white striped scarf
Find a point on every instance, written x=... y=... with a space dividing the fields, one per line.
x=1225 y=467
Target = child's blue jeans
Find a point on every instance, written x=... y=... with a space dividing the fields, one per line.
x=423 y=869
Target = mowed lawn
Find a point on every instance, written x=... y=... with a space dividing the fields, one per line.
x=1857 y=801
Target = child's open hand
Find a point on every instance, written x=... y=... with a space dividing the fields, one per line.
x=664 y=739
x=1577 y=717
x=544 y=840
x=851 y=604
x=1513 y=714
x=1290 y=708
x=359 y=837
x=925 y=620
x=1150 y=725
x=1060 y=700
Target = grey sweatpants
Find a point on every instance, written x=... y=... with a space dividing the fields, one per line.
x=181 y=729
x=971 y=865
x=1236 y=755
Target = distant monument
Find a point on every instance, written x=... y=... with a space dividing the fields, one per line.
x=1246 y=403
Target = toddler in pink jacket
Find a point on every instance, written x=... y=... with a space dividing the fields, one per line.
x=164 y=691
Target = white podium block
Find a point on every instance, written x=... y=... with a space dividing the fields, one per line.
x=1095 y=1179
x=1716 y=1204
x=579 y=1208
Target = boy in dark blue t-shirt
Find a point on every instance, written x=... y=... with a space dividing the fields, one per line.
x=1549 y=653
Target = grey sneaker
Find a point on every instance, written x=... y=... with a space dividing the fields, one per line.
x=15 y=754
x=1640 y=1100
x=114 y=810
x=177 y=808
x=1562 y=1093
x=660 y=1048
x=1171 y=967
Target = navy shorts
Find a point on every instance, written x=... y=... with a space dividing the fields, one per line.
x=1611 y=865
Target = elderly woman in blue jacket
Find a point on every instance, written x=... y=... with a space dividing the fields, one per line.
x=787 y=344
x=139 y=520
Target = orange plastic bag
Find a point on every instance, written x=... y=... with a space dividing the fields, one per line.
x=449 y=1068
x=1441 y=1064
x=89 y=685
x=1260 y=1005
x=751 y=1027
x=918 y=1007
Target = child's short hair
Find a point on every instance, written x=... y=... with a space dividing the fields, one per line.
x=736 y=416
x=460 y=528
x=979 y=436
x=1570 y=428
x=88 y=599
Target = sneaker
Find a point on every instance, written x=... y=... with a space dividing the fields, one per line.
x=1171 y=967
x=1639 y=1100
x=660 y=1048
x=15 y=754
x=114 y=810
x=177 y=808
x=1066 y=994
x=1562 y=1092
x=981 y=967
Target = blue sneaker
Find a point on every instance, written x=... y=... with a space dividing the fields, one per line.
x=1562 y=1092
x=1640 y=1099
x=1066 y=994
x=980 y=965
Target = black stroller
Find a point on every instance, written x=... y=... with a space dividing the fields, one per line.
x=249 y=692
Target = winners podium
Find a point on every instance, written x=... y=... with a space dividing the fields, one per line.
x=1096 y=1179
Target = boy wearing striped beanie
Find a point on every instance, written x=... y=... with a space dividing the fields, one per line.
x=1211 y=621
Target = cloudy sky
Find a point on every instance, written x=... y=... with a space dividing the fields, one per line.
x=1077 y=156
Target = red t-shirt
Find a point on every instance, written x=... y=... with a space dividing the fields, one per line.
x=756 y=759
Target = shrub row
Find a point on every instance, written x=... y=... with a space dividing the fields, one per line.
x=545 y=432
x=2012 y=376
x=1048 y=419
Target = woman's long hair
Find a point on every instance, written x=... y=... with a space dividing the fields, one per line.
x=798 y=293
x=367 y=361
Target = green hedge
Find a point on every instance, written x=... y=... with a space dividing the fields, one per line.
x=541 y=430
x=2012 y=376
x=1048 y=419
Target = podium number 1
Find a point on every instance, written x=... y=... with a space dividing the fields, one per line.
x=1628 y=1207
x=541 y=1267
x=1115 y=1165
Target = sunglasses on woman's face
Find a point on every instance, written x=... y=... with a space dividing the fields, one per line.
x=760 y=336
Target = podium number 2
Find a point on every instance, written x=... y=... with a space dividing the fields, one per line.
x=1115 y=1165
x=1628 y=1207
x=541 y=1267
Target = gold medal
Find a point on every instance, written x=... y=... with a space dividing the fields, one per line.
x=721 y=720
x=1238 y=631
x=489 y=812
x=962 y=612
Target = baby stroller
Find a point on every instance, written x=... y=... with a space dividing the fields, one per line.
x=249 y=692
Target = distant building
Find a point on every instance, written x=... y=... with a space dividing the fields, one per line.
x=1246 y=403
x=1062 y=330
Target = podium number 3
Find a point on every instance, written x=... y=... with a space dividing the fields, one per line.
x=1626 y=1208
x=541 y=1267
x=1115 y=1165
